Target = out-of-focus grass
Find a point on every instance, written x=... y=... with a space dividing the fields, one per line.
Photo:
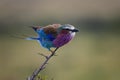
x=87 y=57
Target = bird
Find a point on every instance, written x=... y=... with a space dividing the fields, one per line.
x=54 y=35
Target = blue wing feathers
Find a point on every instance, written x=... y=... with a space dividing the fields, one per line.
x=45 y=36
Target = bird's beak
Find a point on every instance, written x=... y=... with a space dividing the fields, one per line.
x=75 y=30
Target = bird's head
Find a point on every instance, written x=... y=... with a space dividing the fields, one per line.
x=68 y=28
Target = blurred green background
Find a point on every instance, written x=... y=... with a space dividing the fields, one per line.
x=94 y=54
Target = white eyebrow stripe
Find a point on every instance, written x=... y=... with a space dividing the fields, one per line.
x=68 y=26
x=72 y=27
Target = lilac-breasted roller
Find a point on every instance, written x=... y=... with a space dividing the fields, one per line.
x=55 y=35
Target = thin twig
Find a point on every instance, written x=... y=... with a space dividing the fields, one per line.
x=36 y=72
x=44 y=55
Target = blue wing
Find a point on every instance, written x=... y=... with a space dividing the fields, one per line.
x=45 y=39
x=46 y=35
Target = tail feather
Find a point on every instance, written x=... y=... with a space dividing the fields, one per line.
x=35 y=27
x=31 y=38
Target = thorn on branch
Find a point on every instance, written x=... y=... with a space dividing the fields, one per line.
x=43 y=55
